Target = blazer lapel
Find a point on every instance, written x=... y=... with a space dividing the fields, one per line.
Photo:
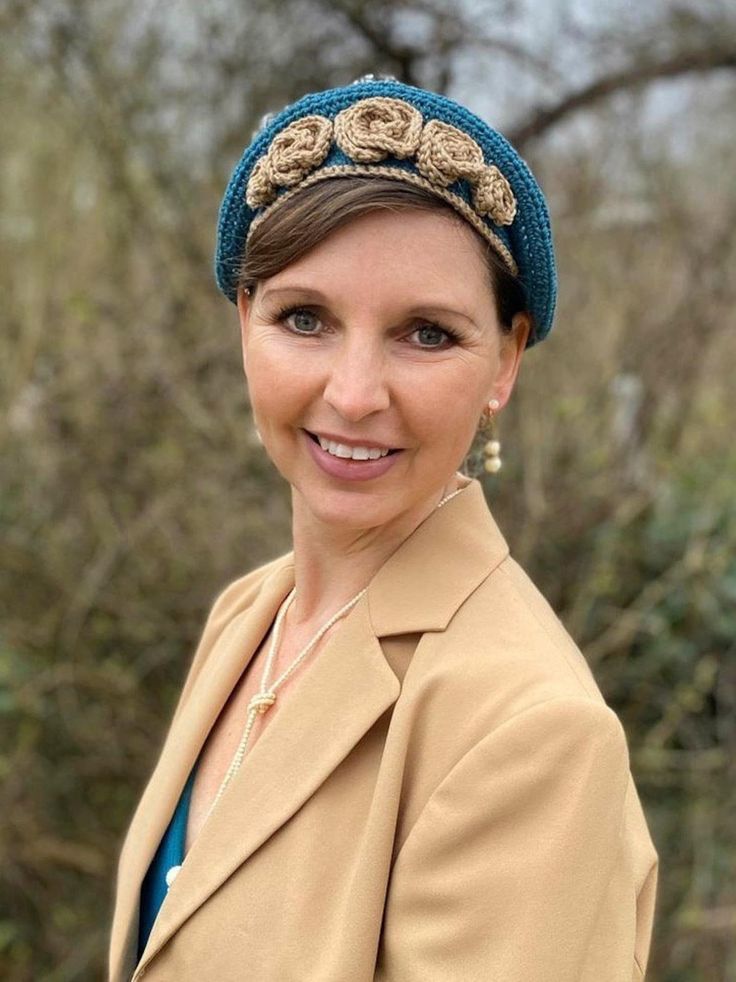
x=422 y=585
x=223 y=666
x=340 y=696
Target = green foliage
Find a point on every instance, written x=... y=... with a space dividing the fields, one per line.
x=671 y=679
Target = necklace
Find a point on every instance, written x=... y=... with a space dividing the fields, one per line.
x=448 y=496
x=263 y=700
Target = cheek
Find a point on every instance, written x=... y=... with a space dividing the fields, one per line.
x=450 y=409
x=276 y=386
x=461 y=426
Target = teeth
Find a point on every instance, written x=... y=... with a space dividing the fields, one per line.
x=352 y=453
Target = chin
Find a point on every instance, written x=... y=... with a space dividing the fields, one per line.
x=353 y=509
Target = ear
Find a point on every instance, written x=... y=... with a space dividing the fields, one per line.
x=244 y=306
x=512 y=348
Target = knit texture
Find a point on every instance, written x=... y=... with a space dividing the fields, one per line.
x=387 y=128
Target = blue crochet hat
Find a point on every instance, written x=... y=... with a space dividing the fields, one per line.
x=385 y=127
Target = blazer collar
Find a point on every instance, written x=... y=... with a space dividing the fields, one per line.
x=437 y=567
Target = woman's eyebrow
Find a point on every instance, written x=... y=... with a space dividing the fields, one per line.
x=418 y=308
x=439 y=309
x=275 y=291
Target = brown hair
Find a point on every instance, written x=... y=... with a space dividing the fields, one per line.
x=309 y=216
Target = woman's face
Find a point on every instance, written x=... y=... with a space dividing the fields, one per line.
x=370 y=360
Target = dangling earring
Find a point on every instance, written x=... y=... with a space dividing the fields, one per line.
x=492 y=448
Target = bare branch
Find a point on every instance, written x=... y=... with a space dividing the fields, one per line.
x=630 y=78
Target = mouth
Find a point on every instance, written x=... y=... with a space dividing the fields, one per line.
x=351 y=451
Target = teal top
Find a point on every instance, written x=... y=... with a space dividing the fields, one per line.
x=169 y=853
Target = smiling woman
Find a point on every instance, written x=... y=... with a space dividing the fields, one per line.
x=389 y=760
x=367 y=367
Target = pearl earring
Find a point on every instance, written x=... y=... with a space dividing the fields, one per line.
x=492 y=449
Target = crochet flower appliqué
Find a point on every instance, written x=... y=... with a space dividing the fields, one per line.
x=372 y=129
x=446 y=154
x=294 y=153
x=492 y=195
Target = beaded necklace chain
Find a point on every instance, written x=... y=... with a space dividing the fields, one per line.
x=263 y=700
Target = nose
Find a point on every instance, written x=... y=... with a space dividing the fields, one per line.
x=357 y=384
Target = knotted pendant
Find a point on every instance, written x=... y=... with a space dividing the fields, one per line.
x=262 y=701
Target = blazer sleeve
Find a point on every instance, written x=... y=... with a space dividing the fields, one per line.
x=505 y=872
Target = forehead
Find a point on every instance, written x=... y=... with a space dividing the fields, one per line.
x=395 y=252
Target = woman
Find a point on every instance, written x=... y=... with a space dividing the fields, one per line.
x=389 y=761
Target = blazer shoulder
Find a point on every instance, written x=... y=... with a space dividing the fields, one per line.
x=240 y=593
x=506 y=642
x=233 y=599
x=505 y=664
x=542 y=627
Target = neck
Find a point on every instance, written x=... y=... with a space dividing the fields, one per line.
x=332 y=564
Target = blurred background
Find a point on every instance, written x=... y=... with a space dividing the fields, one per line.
x=132 y=488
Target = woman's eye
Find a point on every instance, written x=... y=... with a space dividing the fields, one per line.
x=302 y=320
x=432 y=336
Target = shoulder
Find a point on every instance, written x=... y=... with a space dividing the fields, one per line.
x=544 y=636
x=232 y=600
x=240 y=593
x=506 y=631
x=504 y=663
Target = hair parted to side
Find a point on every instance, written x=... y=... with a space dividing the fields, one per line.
x=310 y=216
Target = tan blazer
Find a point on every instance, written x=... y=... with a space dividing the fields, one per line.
x=444 y=796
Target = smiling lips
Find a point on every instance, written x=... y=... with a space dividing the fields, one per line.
x=350 y=461
x=349 y=451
